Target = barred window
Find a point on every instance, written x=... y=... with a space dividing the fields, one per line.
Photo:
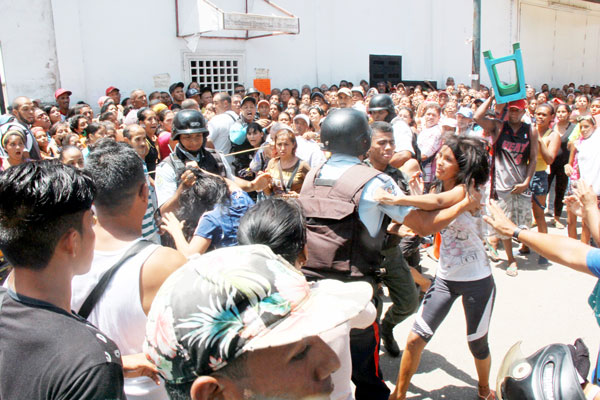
x=220 y=74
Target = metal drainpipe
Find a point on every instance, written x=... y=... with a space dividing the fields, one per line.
x=476 y=57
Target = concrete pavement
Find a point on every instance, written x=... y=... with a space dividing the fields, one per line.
x=542 y=305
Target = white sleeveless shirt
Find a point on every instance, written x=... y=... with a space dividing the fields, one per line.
x=462 y=255
x=119 y=313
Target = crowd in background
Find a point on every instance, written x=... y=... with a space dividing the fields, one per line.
x=210 y=158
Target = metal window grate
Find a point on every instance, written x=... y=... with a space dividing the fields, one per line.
x=220 y=74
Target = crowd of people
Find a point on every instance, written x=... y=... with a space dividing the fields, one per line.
x=164 y=235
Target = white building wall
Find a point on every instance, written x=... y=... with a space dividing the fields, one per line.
x=28 y=48
x=88 y=45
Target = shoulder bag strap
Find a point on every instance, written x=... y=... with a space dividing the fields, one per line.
x=2 y=294
x=92 y=299
x=288 y=185
x=281 y=181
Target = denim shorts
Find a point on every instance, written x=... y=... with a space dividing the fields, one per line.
x=539 y=183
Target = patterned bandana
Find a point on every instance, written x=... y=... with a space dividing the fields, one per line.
x=238 y=299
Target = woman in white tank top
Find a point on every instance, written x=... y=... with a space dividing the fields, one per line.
x=464 y=269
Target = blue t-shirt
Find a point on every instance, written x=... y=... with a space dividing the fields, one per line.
x=221 y=224
x=593 y=261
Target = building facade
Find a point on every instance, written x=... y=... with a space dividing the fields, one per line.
x=88 y=45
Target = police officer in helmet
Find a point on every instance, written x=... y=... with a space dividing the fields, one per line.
x=345 y=230
x=190 y=131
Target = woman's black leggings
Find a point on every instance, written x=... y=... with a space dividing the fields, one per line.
x=562 y=180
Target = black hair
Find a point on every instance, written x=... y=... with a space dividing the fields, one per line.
x=55 y=126
x=411 y=112
x=74 y=122
x=106 y=105
x=565 y=105
x=175 y=107
x=276 y=223
x=286 y=113
x=319 y=110
x=48 y=107
x=106 y=116
x=382 y=126
x=256 y=126
x=127 y=109
x=472 y=158
x=76 y=110
x=117 y=171
x=154 y=95
x=208 y=191
x=39 y=203
x=124 y=101
x=93 y=128
x=141 y=113
x=548 y=106
x=163 y=114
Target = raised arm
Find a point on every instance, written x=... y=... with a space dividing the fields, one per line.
x=586 y=197
x=561 y=249
x=489 y=125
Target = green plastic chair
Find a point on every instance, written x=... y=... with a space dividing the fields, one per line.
x=506 y=92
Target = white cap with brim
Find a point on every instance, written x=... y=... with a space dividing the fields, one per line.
x=330 y=304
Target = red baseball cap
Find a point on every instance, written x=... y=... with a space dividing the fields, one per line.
x=520 y=104
x=110 y=89
x=60 y=92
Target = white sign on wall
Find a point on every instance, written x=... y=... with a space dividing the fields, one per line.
x=254 y=22
x=162 y=80
x=261 y=73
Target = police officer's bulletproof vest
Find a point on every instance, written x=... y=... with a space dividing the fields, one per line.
x=339 y=245
x=211 y=162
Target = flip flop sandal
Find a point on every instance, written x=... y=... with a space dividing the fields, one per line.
x=558 y=225
x=512 y=271
x=493 y=253
x=490 y=396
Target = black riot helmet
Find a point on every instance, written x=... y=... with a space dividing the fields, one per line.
x=383 y=102
x=549 y=373
x=187 y=122
x=346 y=131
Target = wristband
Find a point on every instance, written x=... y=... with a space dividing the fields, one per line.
x=518 y=230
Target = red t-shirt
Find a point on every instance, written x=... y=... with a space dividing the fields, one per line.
x=163 y=144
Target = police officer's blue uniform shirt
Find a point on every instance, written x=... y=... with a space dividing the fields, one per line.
x=370 y=212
